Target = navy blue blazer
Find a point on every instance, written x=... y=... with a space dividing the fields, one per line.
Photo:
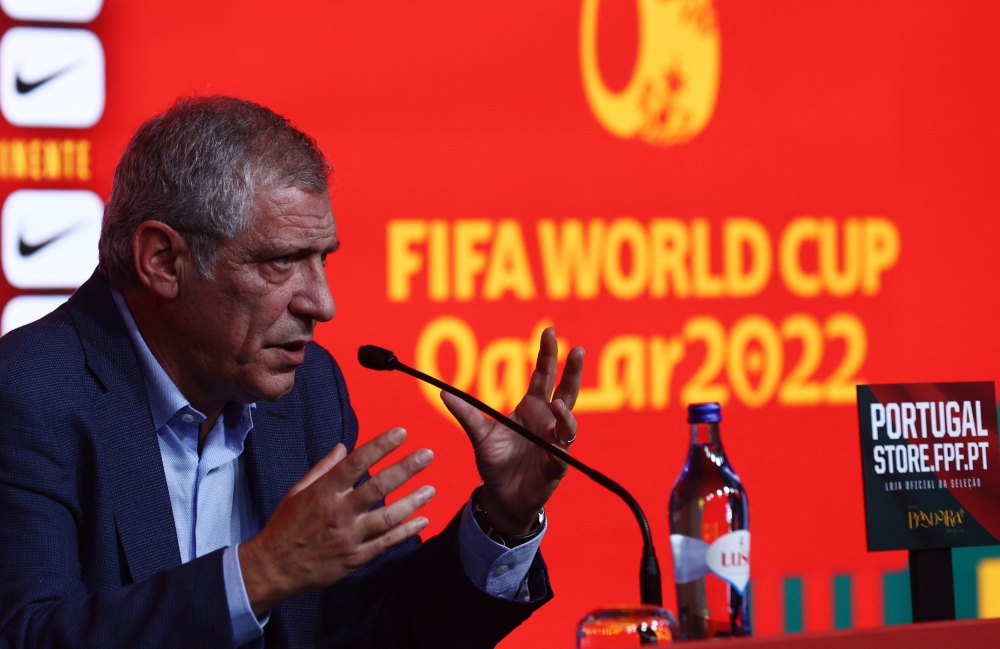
x=88 y=549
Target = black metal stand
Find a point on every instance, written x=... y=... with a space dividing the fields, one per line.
x=932 y=586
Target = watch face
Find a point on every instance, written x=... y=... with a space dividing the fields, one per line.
x=59 y=11
x=51 y=77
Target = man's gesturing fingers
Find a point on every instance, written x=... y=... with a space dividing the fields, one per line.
x=376 y=546
x=544 y=376
x=347 y=473
x=322 y=530
x=569 y=386
x=384 y=519
x=473 y=422
x=389 y=479
x=331 y=460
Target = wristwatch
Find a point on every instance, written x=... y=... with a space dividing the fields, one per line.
x=482 y=517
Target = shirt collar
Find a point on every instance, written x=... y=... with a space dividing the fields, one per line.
x=165 y=399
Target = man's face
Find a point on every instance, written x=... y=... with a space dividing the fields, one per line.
x=247 y=328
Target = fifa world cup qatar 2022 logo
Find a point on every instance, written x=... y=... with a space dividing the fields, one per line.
x=671 y=94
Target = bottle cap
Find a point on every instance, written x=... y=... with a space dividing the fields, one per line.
x=704 y=413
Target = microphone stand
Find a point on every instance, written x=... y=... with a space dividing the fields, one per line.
x=650 y=591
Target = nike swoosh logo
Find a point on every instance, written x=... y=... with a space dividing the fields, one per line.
x=24 y=87
x=28 y=249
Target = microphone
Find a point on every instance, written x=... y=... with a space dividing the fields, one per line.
x=650 y=589
x=376 y=358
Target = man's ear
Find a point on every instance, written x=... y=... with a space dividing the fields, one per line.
x=161 y=258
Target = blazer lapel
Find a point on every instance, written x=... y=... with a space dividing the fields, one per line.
x=276 y=453
x=143 y=514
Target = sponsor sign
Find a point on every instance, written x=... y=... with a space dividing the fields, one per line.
x=931 y=465
x=70 y=11
x=48 y=238
x=51 y=77
x=25 y=309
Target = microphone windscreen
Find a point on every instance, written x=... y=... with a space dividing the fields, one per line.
x=375 y=358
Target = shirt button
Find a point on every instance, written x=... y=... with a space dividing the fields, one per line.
x=187 y=418
x=502 y=569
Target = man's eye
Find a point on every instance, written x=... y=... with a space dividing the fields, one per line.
x=282 y=262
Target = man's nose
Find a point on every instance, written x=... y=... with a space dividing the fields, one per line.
x=313 y=299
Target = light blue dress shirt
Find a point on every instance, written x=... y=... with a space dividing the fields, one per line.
x=210 y=495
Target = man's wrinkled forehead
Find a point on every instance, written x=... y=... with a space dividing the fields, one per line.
x=294 y=220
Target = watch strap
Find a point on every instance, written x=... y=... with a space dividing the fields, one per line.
x=482 y=518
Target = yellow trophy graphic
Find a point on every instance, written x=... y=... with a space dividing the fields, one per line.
x=671 y=94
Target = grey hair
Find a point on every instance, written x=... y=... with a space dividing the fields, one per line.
x=201 y=168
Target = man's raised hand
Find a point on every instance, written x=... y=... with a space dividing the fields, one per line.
x=519 y=477
x=322 y=530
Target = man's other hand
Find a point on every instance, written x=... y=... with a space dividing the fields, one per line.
x=519 y=477
x=322 y=530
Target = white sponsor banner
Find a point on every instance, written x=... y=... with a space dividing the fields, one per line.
x=48 y=237
x=60 y=11
x=51 y=77
x=25 y=309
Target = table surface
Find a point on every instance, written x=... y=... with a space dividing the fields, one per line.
x=927 y=635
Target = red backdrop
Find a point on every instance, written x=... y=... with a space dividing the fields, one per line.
x=864 y=123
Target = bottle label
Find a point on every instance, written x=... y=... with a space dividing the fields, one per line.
x=728 y=558
x=689 y=558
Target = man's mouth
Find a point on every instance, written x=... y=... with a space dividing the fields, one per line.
x=295 y=345
x=294 y=350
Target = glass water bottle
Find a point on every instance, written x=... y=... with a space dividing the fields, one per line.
x=710 y=536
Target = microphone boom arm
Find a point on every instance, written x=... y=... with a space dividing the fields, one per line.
x=649 y=573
